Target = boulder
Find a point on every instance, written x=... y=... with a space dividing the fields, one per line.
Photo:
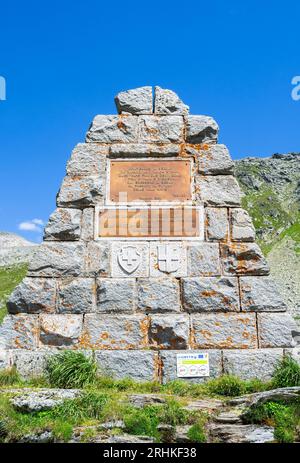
x=135 y=101
x=167 y=102
x=201 y=129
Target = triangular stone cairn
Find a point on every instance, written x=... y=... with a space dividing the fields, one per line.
x=138 y=300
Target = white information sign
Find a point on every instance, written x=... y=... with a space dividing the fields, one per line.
x=192 y=365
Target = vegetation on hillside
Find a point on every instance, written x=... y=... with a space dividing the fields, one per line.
x=105 y=399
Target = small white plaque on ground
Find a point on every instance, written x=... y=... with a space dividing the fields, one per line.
x=192 y=365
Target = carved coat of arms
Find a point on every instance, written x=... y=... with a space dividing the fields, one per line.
x=129 y=258
x=168 y=257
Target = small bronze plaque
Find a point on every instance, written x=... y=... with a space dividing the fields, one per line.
x=146 y=222
x=150 y=181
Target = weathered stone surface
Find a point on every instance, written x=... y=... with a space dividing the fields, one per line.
x=247 y=433
x=157 y=295
x=143 y=400
x=201 y=129
x=230 y=417
x=243 y=259
x=116 y=295
x=130 y=259
x=33 y=295
x=218 y=190
x=57 y=259
x=224 y=331
x=87 y=159
x=169 y=332
x=212 y=159
x=87 y=224
x=168 y=259
x=294 y=352
x=208 y=405
x=169 y=366
x=242 y=228
x=167 y=102
x=160 y=129
x=129 y=439
x=276 y=330
x=203 y=259
x=19 y=331
x=251 y=364
x=64 y=224
x=60 y=330
x=138 y=365
x=210 y=294
x=113 y=129
x=135 y=101
x=134 y=150
x=76 y=295
x=260 y=294
x=97 y=260
x=5 y=357
x=44 y=399
x=30 y=364
x=283 y=394
x=216 y=223
x=115 y=332
x=80 y=191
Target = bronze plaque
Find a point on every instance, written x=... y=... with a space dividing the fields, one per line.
x=150 y=181
x=149 y=223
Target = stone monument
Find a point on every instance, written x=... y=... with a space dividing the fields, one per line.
x=149 y=254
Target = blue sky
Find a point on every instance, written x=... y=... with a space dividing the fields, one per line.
x=64 y=61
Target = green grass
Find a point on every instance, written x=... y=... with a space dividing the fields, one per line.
x=10 y=377
x=284 y=418
x=196 y=433
x=71 y=369
x=105 y=399
x=9 y=279
x=287 y=373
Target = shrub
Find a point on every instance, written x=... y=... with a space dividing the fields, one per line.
x=196 y=433
x=71 y=369
x=10 y=377
x=284 y=418
x=142 y=421
x=172 y=413
x=227 y=385
x=287 y=373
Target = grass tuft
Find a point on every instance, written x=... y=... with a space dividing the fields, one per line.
x=71 y=369
x=10 y=377
x=287 y=373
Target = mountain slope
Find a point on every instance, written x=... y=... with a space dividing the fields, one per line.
x=14 y=249
x=271 y=189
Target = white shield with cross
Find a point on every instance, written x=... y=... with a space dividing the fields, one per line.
x=168 y=256
x=129 y=258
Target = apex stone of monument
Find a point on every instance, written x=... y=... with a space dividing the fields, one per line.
x=135 y=101
x=167 y=102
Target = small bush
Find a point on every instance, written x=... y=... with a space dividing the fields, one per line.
x=287 y=373
x=226 y=385
x=284 y=419
x=172 y=413
x=196 y=433
x=10 y=377
x=142 y=421
x=71 y=369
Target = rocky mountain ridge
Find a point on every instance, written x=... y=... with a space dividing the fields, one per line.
x=14 y=249
x=271 y=189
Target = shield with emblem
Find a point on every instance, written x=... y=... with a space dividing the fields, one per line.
x=168 y=257
x=129 y=258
